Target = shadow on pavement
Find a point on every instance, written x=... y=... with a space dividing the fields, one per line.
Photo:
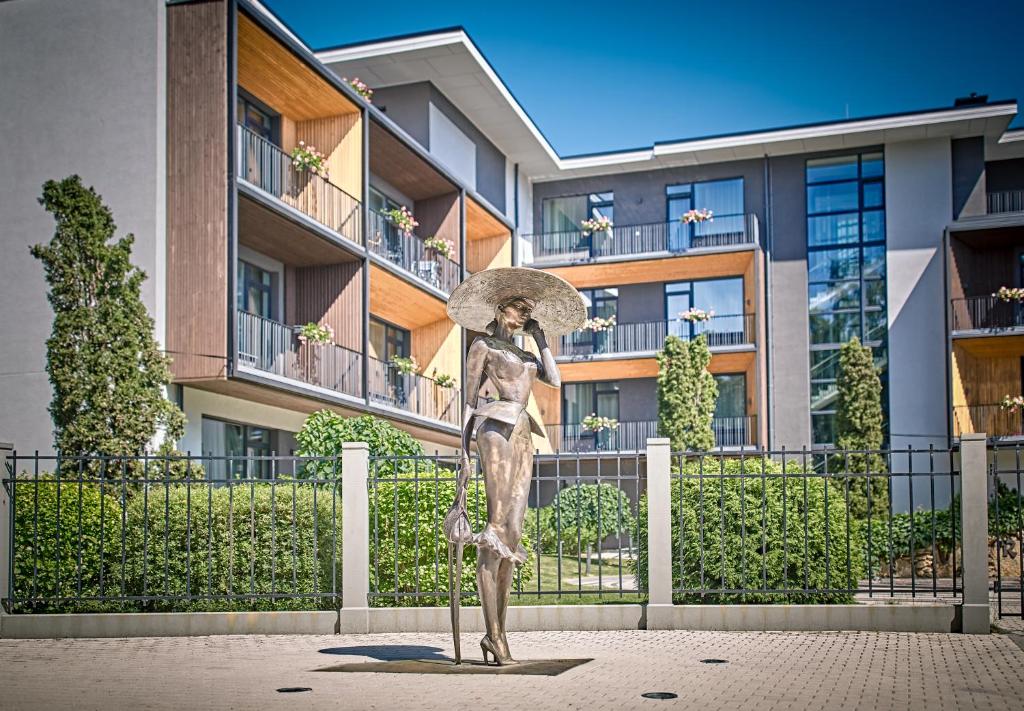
x=390 y=652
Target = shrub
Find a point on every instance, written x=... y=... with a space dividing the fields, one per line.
x=247 y=538
x=82 y=560
x=738 y=513
x=686 y=394
x=325 y=431
x=408 y=513
x=581 y=515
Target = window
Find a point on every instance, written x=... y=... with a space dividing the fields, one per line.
x=257 y=289
x=845 y=273
x=385 y=238
x=582 y=399
x=228 y=447
x=601 y=303
x=387 y=340
x=564 y=214
x=257 y=118
x=723 y=296
x=731 y=424
x=724 y=198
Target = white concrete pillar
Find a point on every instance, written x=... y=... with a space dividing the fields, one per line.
x=355 y=541
x=659 y=533
x=974 y=527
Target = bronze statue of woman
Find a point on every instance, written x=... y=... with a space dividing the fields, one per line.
x=501 y=303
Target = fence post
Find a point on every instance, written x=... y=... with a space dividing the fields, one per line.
x=659 y=534
x=5 y=525
x=355 y=538
x=974 y=533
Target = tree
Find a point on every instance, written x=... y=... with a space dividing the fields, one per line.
x=106 y=369
x=859 y=427
x=324 y=432
x=686 y=394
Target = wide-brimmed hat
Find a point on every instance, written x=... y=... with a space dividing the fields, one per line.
x=559 y=308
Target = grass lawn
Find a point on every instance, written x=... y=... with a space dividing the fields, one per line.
x=599 y=586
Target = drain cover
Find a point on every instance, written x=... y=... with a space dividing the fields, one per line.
x=659 y=695
x=714 y=661
x=293 y=689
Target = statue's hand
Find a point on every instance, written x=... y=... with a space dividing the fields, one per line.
x=533 y=328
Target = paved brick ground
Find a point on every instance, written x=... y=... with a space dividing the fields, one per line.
x=765 y=671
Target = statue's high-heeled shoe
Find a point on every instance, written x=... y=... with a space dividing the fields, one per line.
x=487 y=645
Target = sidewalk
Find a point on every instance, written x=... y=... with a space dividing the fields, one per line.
x=764 y=671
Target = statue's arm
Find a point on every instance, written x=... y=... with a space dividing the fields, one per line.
x=548 y=367
x=475 y=362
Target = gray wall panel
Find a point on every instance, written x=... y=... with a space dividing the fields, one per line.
x=968 y=156
x=639 y=303
x=86 y=81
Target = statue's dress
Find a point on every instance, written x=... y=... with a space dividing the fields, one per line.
x=503 y=429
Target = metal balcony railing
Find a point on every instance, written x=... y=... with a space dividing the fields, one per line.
x=408 y=252
x=720 y=331
x=275 y=348
x=413 y=393
x=1006 y=201
x=267 y=167
x=993 y=420
x=632 y=436
x=987 y=313
x=652 y=238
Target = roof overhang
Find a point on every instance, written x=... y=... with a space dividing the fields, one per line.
x=449 y=60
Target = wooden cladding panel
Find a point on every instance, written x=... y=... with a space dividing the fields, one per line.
x=401 y=167
x=436 y=345
x=978 y=272
x=269 y=233
x=331 y=294
x=740 y=263
x=439 y=217
x=197 y=208
x=481 y=224
x=489 y=253
x=983 y=381
x=396 y=300
x=269 y=71
x=340 y=139
x=627 y=368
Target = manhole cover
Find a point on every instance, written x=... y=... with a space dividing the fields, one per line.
x=293 y=689
x=714 y=661
x=659 y=695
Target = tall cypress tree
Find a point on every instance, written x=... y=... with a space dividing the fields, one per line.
x=686 y=394
x=104 y=365
x=859 y=426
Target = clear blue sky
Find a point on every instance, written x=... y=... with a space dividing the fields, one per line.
x=603 y=76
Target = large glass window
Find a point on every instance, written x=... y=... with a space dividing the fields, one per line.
x=256 y=117
x=600 y=303
x=564 y=214
x=257 y=289
x=388 y=340
x=229 y=447
x=724 y=198
x=845 y=273
x=582 y=399
x=723 y=296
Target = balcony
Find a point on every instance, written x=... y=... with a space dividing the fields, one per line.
x=726 y=331
x=987 y=313
x=993 y=420
x=730 y=433
x=654 y=239
x=269 y=169
x=413 y=393
x=1006 y=201
x=274 y=348
x=407 y=251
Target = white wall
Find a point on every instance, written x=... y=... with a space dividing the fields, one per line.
x=83 y=92
x=452 y=147
x=919 y=205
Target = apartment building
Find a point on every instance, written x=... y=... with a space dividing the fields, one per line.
x=897 y=229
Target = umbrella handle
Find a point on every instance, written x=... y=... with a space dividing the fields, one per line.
x=454 y=595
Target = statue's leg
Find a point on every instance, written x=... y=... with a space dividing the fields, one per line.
x=487 y=571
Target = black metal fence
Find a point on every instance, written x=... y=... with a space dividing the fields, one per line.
x=827 y=527
x=212 y=532
x=580 y=529
x=1006 y=530
x=162 y=534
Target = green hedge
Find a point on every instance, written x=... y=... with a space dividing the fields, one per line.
x=733 y=511
x=249 y=538
x=412 y=507
x=83 y=561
